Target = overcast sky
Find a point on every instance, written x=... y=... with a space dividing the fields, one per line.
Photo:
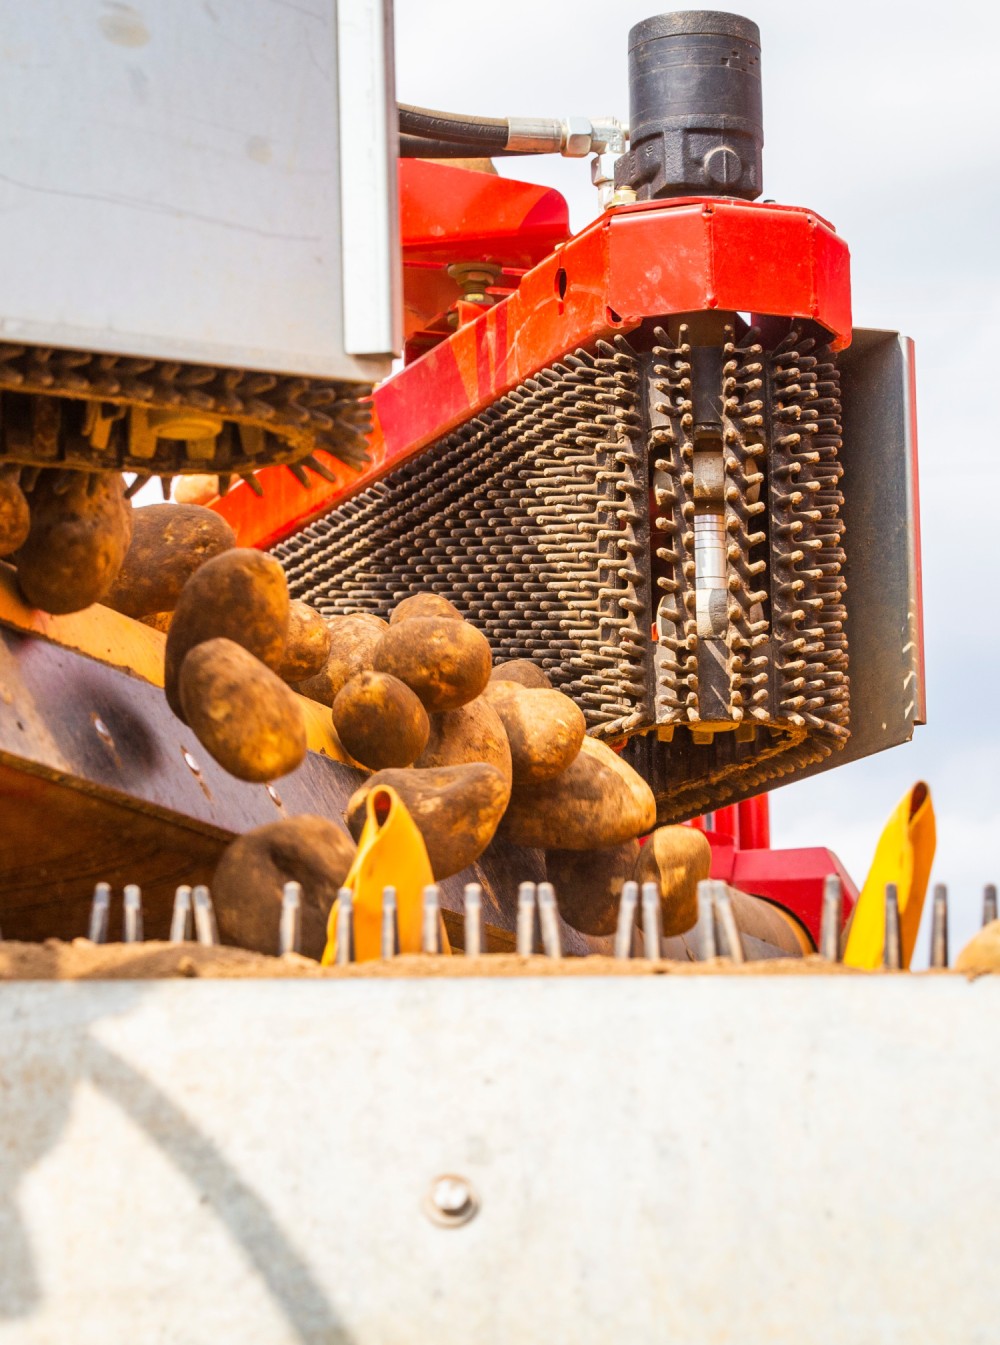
x=883 y=118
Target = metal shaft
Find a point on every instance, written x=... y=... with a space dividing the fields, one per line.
x=725 y=919
x=205 y=927
x=475 y=932
x=833 y=911
x=430 y=941
x=132 y=915
x=892 y=954
x=290 y=924
x=705 y=929
x=390 y=923
x=652 y=922
x=548 y=915
x=626 y=920
x=526 y=919
x=180 y=919
x=345 y=927
x=989 y=903
x=939 y=927
x=100 y=910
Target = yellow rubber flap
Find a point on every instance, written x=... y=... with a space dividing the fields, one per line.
x=391 y=853
x=904 y=855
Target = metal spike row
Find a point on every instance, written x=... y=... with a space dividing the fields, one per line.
x=989 y=903
x=390 y=923
x=626 y=920
x=132 y=914
x=704 y=931
x=475 y=927
x=832 y=918
x=525 y=919
x=939 y=928
x=727 y=934
x=548 y=918
x=205 y=928
x=181 y=916
x=290 y=923
x=430 y=938
x=345 y=927
x=652 y=922
x=892 y=951
x=100 y=912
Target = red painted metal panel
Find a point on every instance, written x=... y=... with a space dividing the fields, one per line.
x=792 y=879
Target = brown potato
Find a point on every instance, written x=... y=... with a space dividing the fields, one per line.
x=545 y=729
x=241 y=596
x=15 y=520
x=446 y=662
x=677 y=858
x=456 y=809
x=248 y=882
x=473 y=732
x=589 y=883
x=307 y=647
x=521 y=670
x=380 y=721
x=169 y=542
x=352 y=647
x=81 y=525
x=242 y=712
x=599 y=802
x=424 y=604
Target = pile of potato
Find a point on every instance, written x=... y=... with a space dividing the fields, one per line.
x=474 y=751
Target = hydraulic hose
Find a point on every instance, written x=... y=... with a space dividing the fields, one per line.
x=416 y=147
x=487 y=134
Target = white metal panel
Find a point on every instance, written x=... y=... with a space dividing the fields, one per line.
x=698 y=1159
x=169 y=181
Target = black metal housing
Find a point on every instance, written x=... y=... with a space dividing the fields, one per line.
x=696 y=123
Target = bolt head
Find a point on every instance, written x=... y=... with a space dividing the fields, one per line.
x=451 y=1201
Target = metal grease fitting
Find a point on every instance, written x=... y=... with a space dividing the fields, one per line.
x=695 y=113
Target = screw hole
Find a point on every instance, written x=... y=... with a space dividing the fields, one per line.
x=274 y=796
x=190 y=762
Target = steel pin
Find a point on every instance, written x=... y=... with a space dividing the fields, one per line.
x=626 y=920
x=833 y=910
x=475 y=932
x=431 y=930
x=652 y=922
x=100 y=909
x=206 y=929
x=290 y=924
x=729 y=934
x=132 y=915
x=939 y=928
x=705 y=929
x=892 y=954
x=526 y=919
x=548 y=915
x=989 y=903
x=390 y=923
x=180 y=920
x=345 y=927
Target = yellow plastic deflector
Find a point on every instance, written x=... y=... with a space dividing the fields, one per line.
x=903 y=856
x=391 y=853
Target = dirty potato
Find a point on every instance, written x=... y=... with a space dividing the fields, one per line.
x=597 y=803
x=677 y=858
x=380 y=721
x=589 y=884
x=241 y=596
x=169 y=542
x=81 y=525
x=473 y=732
x=446 y=662
x=521 y=670
x=241 y=711
x=352 y=647
x=247 y=887
x=307 y=646
x=456 y=809
x=15 y=520
x=424 y=604
x=545 y=729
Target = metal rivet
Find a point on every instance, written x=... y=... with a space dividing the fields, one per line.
x=451 y=1201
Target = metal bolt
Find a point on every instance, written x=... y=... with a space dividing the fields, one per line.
x=451 y=1201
